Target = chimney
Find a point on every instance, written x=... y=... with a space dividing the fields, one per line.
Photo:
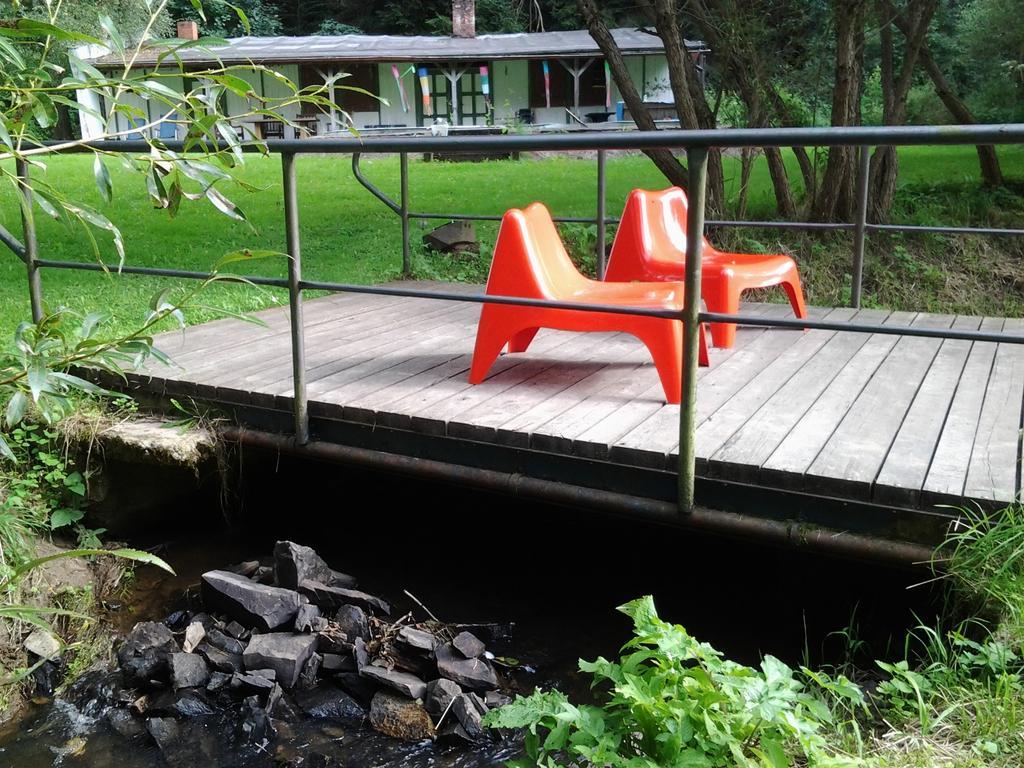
x=188 y=30
x=463 y=18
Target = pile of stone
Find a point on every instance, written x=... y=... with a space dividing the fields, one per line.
x=297 y=639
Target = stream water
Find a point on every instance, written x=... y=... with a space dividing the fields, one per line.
x=556 y=574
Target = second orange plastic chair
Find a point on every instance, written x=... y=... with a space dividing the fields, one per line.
x=530 y=261
x=650 y=244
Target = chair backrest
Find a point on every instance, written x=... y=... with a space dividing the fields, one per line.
x=530 y=259
x=653 y=222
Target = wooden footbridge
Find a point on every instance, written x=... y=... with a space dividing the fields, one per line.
x=855 y=431
x=858 y=432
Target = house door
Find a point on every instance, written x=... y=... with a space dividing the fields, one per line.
x=472 y=104
x=440 y=100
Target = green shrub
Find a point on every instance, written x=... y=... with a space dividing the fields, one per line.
x=671 y=700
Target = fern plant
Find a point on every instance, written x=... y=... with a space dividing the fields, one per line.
x=671 y=700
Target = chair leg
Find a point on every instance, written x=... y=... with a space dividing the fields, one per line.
x=794 y=289
x=665 y=343
x=491 y=337
x=521 y=341
x=721 y=297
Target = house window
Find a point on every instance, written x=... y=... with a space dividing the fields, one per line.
x=592 y=85
x=364 y=76
x=469 y=97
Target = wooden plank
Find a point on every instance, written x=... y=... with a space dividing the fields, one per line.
x=713 y=433
x=199 y=342
x=994 y=470
x=603 y=430
x=380 y=370
x=849 y=462
x=506 y=419
x=338 y=353
x=650 y=443
x=947 y=474
x=394 y=405
x=741 y=456
x=435 y=416
x=786 y=465
x=328 y=342
x=630 y=370
x=906 y=465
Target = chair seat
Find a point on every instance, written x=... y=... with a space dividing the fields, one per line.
x=650 y=244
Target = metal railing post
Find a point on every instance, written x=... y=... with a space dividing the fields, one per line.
x=291 y=224
x=697 y=168
x=31 y=244
x=601 y=214
x=860 y=226
x=404 y=214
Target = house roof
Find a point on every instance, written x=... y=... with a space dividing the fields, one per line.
x=418 y=48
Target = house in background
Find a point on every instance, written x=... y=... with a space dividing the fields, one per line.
x=465 y=79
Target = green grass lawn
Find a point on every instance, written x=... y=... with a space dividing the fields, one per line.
x=348 y=236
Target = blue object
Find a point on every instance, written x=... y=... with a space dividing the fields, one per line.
x=620 y=111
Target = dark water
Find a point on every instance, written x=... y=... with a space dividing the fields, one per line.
x=556 y=574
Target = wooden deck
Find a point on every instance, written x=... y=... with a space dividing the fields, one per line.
x=878 y=420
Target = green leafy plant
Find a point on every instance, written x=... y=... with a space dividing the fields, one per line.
x=671 y=700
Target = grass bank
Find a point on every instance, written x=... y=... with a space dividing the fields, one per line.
x=348 y=236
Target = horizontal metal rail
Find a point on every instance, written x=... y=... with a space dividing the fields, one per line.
x=16 y=246
x=905 y=136
x=481 y=298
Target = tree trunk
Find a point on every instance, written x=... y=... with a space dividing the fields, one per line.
x=836 y=196
x=663 y=159
x=988 y=161
x=691 y=105
x=895 y=90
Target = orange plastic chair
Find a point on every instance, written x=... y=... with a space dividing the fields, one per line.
x=650 y=244
x=530 y=261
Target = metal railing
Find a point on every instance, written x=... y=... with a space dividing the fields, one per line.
x=695 y=143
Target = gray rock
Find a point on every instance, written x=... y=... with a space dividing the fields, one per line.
x=325 y=702
x=310 y=670
x=468 y=709
x=257 y=681
x=330 y=598
x=352 y=621
x=471 y=674
x=337 y=662
x=164 y=731
x=468 y=645
x=194 y=634
x=251 y=604
x=264 y=575
x=333 y=640
x=440 y=693
x=236 y=630
x=306 y=620
x=495 y=699
x=218 y=680
x=123 y=723
x=226 y=643
x=417 y=639
x=43 y=644
x=222 y=661
x=358 y=687
x=143 y=654
x=400 y=718
x=284 y=652
x=403 y=682
x=193 y=704
x=453 y=237
x=294 y=563
x=360 y=654
x=188 y=670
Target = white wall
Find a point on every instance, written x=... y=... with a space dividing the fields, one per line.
x=510 y=89
x=657 y=86
x=391 y=113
